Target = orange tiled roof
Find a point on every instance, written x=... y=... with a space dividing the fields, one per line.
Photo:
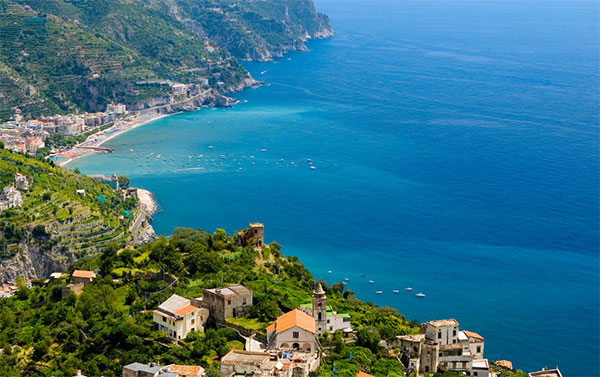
x=187 y=370
x=186 y=309
x=295 y=318
x=271 y=327
x=83 y=274
x=504 y=363
x=363 y=374
x=471 y=334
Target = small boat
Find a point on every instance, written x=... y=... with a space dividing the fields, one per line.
x=371 y=282
x=420 y=295
x=313 y=167
x=344 y=283
x=396 y=291
x=211 y=147
x=408 y=289
x=263 y=150
x=346 y=279
x=379 y=292
x=329 y=271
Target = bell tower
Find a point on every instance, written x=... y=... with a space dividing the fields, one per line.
x=319 y=309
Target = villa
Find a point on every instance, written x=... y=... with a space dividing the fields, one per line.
x=177 y=317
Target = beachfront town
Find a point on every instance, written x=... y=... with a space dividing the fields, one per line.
x=28 y=136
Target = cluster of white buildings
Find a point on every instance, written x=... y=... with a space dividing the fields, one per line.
x=27 y=136
x=11 y=196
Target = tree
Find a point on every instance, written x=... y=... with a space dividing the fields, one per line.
x=123 y=181
x=368 y=337
x=22 y=291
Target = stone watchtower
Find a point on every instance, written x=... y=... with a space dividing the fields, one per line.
x=319 y=309
x=257 y=232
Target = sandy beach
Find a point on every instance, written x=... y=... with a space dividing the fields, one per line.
x=96 y=140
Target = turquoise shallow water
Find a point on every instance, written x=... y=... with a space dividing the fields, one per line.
x=456 y=152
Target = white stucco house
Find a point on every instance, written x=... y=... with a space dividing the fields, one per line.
x=177 y=317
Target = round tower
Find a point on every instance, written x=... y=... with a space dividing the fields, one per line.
x=319 y=309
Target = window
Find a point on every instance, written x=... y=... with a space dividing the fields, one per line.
x=164 y=319
x=228 y=302
x=193 y=320
x=453 y=332
x=319 y=316
x=415 y=348
x=440 y=334
x=475 y=374
x=440 y=354
x=426 y=368
x=244 y=301
x=453 y=340
x=328 y=321
x=296 y=334
x=478 y=349
x=468 y=373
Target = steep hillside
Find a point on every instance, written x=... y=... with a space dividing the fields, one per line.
x=67 y=55
x=55 y=225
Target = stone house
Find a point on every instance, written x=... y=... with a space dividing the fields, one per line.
x=237 y=362
x=177 y=317
x=23 y=181
x=442 y=346
x=83 y=277
x=254 y=235
x=230 y=302
x=546 y=373
x=294 y=330
x=473 y=343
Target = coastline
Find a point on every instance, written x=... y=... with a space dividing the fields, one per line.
x=97 y=139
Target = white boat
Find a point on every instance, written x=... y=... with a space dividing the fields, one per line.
x=379 y=292
x=420 y=295
x=211 y=147
x=263 y=150
x=371 y=281
x=313 y=167
x=346 y=279
x=329 y=271
x=408 y=289
x=396 y=291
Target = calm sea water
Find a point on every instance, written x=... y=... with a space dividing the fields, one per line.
x=455 y=147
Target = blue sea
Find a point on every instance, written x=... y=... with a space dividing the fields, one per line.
x=451 y=147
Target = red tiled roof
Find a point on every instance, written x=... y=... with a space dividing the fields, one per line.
x=295 y=318
x=83 y=274
x=186 y=309
x=471 y=334
x=187 y=370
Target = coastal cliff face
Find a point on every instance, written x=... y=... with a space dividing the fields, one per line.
x=110 y=52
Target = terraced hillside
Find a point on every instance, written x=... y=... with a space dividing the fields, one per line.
x=56 y=225
x=70 y=55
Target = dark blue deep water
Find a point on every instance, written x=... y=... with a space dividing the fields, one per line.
x=456 y=152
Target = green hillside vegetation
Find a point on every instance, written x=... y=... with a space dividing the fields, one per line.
x=80 y=54
x=107 y=327
x=54 y=216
